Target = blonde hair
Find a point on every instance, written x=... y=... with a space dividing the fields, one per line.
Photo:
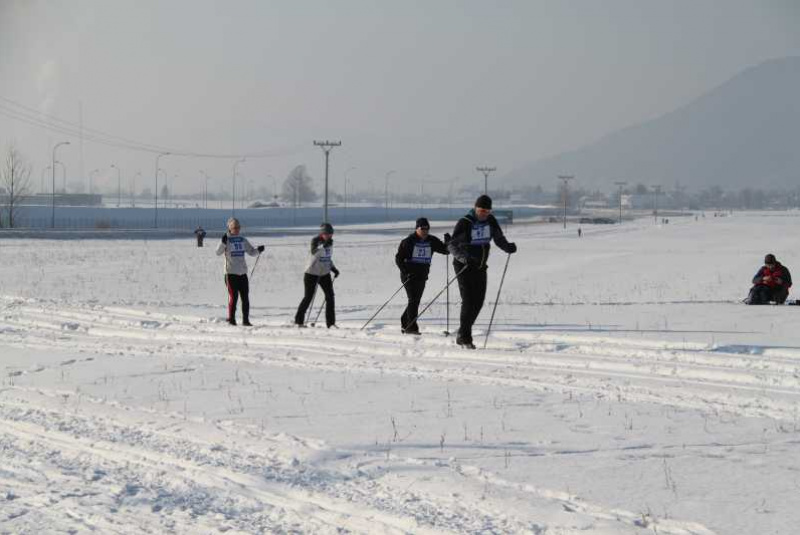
x=233 y=223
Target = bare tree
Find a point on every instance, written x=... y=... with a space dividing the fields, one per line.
x=15 y=180
x=298 y=186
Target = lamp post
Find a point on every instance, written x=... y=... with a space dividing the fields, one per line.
x=352 y=168
x=91 y=181
x=205 y=189
x=119 y=184
x=233 y=198
x=53 y=214
x=155 y=192
x=566 y=179
x=386 y=193
x=133 y=189
x=326 y=146
x=620 y=184
x=41 y=185
x=486 y=170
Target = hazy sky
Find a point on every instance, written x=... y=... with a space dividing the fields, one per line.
x=426 y=88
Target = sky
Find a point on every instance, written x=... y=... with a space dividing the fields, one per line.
x=427 y=89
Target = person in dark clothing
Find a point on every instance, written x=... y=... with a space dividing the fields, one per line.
x=200 y=234
x=318 y=272
x=771 y=283
x=470 y=249
x=414 y=257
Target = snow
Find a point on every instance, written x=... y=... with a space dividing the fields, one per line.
x=624 y=390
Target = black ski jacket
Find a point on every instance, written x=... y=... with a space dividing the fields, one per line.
x=414 y=255
x=471 y=240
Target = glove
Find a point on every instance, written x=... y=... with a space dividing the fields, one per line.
x=329 y=242
x=447 y=238
x=512 y=248
x=335 y=273
x=260 y=248
x=405 y=275
x=225 y=239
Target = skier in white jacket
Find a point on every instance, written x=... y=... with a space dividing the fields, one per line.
x=234 y=246
x=318 y=271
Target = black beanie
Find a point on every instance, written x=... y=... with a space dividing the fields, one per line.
x=770 y=259
x=326 y=228
x=422 y=222
x=484 y=201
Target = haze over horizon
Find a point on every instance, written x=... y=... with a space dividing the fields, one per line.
x=425 y=89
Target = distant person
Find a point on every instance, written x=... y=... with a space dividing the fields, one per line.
x=470 y=246
x=234 y=246
x=771 y=283
x=200 y=234
x=414 y=256
x=318 y=272
x=580 y=232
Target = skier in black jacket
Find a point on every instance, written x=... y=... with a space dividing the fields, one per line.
x=470 y=249
x=414 y=257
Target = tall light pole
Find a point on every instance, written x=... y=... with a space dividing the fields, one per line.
x=233 y=198
x=119 y=184
x=53 y=215
x=41 y=185
x=620 y=184
x=326 y=146
x=450 y=192
x=133 y=189
x=205 y=189
x=352 y=168
x=386 y=193
x=91 y=181
x=155 y=192
x=566 y=179
x=486 y=170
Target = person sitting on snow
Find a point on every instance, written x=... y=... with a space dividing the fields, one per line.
x=771 y=283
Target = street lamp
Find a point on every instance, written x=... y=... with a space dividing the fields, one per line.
x=119 y=184
x=53 y=214
x=233 y=198
x=155 y=192
x=345 y=189
x=133 y=189
x=91 y=181
x=386 y=192
x=41 y=184
x=205 y=189
x=326 y=146
x=620 y=184
x=486 y=170
x=565 y=178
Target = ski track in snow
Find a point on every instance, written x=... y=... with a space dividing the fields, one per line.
x=145 y=478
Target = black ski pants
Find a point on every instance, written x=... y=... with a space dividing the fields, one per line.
x=472 y=286
x=238 y=286
x=414 y=289
x=762 y=294
x=310 y=282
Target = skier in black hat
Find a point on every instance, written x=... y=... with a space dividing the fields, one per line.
x=470 y=249
x=318 y=271
x=414 y=257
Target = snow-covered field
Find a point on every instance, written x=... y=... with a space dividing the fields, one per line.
x=624 y=390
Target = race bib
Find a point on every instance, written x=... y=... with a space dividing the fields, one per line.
x=327 y=255
x=481 y=233
x=236 y=246
x=422 y=253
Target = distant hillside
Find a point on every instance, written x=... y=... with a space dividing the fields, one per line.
x=745 y=132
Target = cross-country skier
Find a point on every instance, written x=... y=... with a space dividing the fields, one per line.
x=235 y=246
x=318 y=271
x=414 y=257
x=470 y=249
x=771 y=283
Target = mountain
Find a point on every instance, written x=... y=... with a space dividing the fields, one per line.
x=746 y=132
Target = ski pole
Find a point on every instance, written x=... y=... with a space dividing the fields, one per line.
x=254 y=265
x=311 y=305
x=495 y=301
x=447 y=298
x=313 y=323
x=384 y=304
x=440 y=293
